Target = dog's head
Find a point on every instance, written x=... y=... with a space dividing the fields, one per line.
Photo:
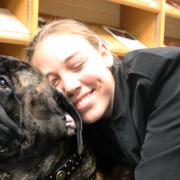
x=32 y=116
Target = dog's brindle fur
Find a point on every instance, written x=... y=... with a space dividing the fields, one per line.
x=37 y=109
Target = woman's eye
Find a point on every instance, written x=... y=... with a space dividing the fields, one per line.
x=3 y=83
x=78 y=66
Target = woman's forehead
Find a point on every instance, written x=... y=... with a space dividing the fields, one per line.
x=64 y=41
x=63 y=46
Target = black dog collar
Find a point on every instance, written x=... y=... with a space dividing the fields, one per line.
x=68 y=167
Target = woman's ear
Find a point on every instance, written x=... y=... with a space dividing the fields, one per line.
x=106 y=54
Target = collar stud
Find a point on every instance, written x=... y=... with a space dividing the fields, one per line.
x=60 y=175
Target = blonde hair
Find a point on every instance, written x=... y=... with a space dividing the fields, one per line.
x=63 y=26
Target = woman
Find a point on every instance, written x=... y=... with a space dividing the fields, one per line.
x=130 y=108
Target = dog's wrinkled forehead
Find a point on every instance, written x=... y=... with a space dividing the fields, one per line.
x=22 y=74
x=9 y=65
x=30 y=78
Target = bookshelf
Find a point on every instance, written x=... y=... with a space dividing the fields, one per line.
x=144 y=19
x=152 y=22
x=18 y=24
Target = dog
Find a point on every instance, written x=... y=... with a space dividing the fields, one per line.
x=34 y=140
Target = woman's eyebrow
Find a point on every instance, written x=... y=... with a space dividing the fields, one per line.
x=70 y=57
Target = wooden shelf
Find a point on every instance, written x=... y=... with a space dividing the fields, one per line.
x=23 y=39
x=18 y=23
x=172 y=11
x=148 y=22
x=140 y=4
x=12 y=28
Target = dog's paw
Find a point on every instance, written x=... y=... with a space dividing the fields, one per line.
x=4 y=176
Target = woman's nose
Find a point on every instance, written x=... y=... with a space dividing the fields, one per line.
x=70 y=86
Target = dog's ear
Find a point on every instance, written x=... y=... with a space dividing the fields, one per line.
x=67 y=106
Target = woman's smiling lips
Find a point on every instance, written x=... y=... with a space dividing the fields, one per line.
x=84 y=102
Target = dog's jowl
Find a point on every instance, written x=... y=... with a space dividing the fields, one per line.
x=34 y=143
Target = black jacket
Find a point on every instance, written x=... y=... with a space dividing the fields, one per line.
x=144 y=130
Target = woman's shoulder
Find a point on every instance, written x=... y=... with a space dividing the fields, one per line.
x=150 y=61
x=159 y=51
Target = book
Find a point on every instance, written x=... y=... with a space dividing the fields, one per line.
x=10 y=26
x=125 y=38
x=174 y=3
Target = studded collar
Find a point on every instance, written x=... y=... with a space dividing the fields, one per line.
x=68 y=167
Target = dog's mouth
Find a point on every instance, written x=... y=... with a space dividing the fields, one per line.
x=7 y=151
x=11 y=147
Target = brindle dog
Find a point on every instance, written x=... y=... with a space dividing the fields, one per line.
x=34 y=141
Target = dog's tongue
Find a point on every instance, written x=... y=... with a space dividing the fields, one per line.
x=70 y=124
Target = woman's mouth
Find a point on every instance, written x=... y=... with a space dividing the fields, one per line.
x=82 y=104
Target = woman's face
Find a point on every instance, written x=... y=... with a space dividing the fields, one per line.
x=80 y=71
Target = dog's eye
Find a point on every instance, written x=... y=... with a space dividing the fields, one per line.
x=3 y=83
